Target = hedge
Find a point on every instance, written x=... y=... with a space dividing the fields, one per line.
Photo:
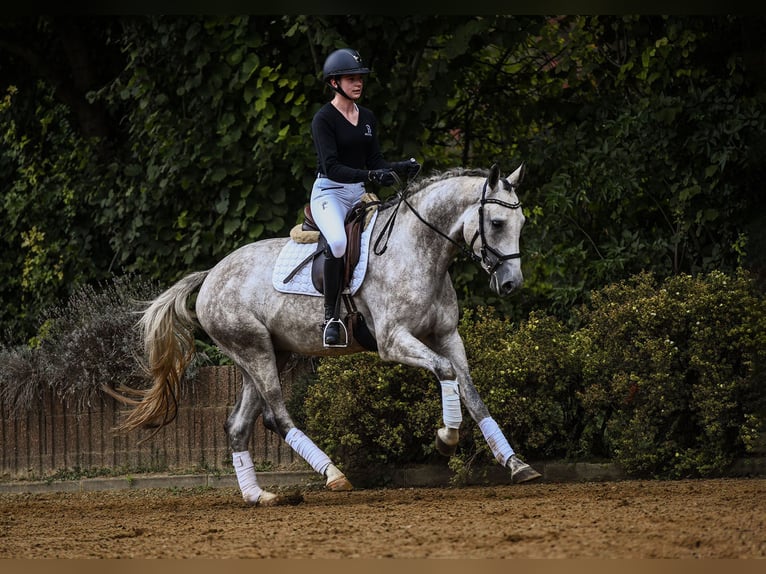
x=664 y=378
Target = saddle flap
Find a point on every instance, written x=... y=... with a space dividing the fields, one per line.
x=354 y=227
x=293 y=268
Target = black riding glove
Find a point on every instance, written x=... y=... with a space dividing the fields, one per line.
x=381 y=176
x=408 y=167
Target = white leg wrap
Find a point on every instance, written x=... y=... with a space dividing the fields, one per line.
x=451 y=412
x=310 y=452
x=496 y=440
x=248 y=483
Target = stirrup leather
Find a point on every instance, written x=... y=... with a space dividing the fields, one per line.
x=343 y=339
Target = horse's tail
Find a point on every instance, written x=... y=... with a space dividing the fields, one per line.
x=168 y=327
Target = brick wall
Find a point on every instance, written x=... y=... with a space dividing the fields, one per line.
x=57 y=435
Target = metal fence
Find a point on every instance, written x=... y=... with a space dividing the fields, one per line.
x=58 y=436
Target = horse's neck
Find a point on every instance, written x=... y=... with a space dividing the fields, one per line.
x=444 y=208
x=444 y=205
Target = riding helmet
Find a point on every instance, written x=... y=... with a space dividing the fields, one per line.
x=344 y=62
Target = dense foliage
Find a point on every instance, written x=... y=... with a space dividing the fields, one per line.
x=672 y=373
x=154 y=145
x=664 y=378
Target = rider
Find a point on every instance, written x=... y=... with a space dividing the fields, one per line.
x=348 y=156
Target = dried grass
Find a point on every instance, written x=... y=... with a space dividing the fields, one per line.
x=90 y=341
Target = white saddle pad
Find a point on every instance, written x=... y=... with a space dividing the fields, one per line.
x=293 y=253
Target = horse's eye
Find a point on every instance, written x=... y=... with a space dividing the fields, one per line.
x=498 y=223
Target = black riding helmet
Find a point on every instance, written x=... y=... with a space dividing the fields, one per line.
x=343 y=62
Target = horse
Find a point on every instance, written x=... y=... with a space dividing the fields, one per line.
x=407 y=299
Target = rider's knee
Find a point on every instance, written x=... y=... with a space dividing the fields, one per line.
x=337 y=248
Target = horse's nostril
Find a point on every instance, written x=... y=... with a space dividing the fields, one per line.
x=510 y=286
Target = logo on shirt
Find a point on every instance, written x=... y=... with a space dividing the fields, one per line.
x=369 y=130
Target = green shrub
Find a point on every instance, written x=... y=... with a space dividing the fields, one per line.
x=368 y=413
x=670 y=373
x=664 y=378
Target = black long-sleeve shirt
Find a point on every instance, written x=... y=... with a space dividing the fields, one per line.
x=345 y=152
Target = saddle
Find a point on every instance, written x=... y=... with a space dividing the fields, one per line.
x=308 y=232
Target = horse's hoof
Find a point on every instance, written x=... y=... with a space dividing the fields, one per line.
x=336 y=480
x=265 y=498
x=339 y=484
x=270 y=499
x=521 y=471
x=443 y=447
x=525 y=475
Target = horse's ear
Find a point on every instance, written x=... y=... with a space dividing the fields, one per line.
x=494 y=176
x=515 y=178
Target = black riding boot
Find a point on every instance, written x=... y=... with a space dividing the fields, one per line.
x=333 y=268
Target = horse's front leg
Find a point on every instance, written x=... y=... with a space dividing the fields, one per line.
x=450 y=365
x=403 y=347
x=454 y=348
x=498 y=443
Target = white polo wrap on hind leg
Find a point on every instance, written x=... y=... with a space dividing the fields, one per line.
x=310 y=452
x=248 y=483
x=451 y=412
x=496 y=440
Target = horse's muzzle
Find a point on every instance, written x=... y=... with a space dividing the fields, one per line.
x=504 y=282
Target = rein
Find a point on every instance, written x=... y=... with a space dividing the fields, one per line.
x=489 y=265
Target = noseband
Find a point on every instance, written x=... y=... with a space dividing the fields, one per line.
x=491 y=258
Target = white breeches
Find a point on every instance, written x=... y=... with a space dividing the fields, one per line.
x=330 y=202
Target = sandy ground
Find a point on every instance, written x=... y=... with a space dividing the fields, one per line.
x=628 y=519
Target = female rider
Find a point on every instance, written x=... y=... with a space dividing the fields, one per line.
x=348 y=156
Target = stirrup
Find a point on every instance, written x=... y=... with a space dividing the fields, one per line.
x=344 y=338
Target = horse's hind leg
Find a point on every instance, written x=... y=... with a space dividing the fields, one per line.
x=265 y=395
x=302 y=444
x=239 y=427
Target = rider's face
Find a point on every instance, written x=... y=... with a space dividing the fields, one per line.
x=352 y=85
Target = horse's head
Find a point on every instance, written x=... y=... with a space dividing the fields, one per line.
x=499 y=230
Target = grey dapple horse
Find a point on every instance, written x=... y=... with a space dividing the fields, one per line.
x=407 y=299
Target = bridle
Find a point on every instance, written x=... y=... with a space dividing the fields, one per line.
x=490 y=258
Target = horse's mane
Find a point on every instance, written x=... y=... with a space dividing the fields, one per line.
x=419 y=185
